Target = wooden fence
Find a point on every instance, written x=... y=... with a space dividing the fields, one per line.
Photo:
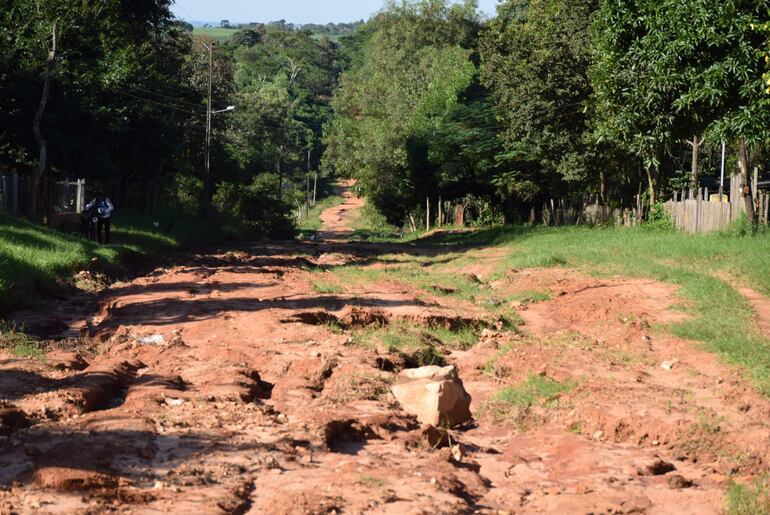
x=702 y=212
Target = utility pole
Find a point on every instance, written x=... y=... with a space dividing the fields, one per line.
x=307 y=190
x=722 y=176
x=207 y=175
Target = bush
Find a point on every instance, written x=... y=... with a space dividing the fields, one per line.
x=186 y=193
x=256 y=206
x=658 y=219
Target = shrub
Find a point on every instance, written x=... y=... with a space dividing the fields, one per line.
x=256 y=206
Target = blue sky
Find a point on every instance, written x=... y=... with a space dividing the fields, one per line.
x=294 y=11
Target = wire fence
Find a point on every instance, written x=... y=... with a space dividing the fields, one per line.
x=68 y=196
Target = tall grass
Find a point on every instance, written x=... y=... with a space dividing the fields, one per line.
x=33 y=258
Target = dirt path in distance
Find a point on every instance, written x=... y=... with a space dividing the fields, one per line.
x=257 y=381
x=336 y=221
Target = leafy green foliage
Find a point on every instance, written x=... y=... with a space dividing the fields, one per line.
x=535 y=58
x=412 y=69
x=256 y=206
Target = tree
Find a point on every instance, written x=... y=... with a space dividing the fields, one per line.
x=409 y=72
x=675 y=70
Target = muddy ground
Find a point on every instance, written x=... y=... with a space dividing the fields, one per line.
x=252 y=381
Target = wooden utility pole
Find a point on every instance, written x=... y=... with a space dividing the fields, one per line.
x=307 y=190
x=315 y=186
x=695 y=144
x=39 y=189
x=207 y=174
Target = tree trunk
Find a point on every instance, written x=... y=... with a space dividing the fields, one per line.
x=745 y=184
x=38 y=189
x=651 y=183
x=695 y=143
x=602 y=187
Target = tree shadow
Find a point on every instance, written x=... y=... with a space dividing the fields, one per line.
x=162 y=312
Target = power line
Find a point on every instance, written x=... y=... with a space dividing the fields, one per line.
x=161 y=104
x=175 y=99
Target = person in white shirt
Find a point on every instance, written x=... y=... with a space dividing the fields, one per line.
x=104 y=208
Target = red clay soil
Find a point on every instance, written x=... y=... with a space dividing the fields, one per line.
x=336 y=221
x=228 y=385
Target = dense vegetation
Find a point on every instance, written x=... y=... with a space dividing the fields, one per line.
x=427 y=99
x=550 y=98
x=118 y=94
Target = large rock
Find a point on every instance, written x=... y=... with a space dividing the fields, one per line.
x=435 y=394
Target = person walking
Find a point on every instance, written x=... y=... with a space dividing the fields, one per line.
x=104 y=208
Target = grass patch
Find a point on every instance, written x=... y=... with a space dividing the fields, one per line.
x=419 y=346
x=536 y=390
x=721 y=318
x=754 y=499
x=368 y=224
x=327 y=288
x=371 y=481
x=34 y=258
x=530 y=297
x=14 y=340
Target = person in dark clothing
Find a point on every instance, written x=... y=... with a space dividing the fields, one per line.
x=104 y=208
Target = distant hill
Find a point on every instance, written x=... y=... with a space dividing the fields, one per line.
x=333 y=31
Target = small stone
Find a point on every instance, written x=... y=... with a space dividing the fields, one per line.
x=159 y=485
x=173 y=402
x=669 y=365
x=433 y=481
x=598 y=435
x=458 y=452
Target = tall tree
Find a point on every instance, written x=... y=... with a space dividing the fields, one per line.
x=535 y=61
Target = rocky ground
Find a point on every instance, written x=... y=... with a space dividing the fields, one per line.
x=258 y=381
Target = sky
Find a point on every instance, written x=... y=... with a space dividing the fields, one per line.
x=293 y=11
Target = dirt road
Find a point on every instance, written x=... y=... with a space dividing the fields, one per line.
x=257 y=381
x=336 y=222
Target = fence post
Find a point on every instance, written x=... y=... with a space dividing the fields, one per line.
x=15 y=194
x=427 y=214
x=79 y=196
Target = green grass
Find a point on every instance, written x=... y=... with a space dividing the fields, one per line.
x=529 y=297
x=327 y=288
x=422 y=346
x=312 y=223
x=536 y=390
x=720 y=317
x=754 y=500
x=33 y=258
x=368 y=224
x=14 y=340
x=217 y=33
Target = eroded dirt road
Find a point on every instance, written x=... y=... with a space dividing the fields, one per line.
x=257 y=381
x=336 y=223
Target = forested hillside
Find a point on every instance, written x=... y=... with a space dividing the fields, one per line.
x=426 y=100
